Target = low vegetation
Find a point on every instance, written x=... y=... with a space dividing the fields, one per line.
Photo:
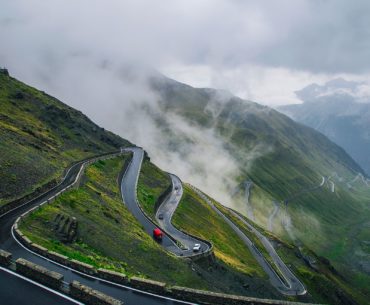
x=152 y=183
x=40 y=136
x=108 y=236
x=281 y=158
x=324 y=283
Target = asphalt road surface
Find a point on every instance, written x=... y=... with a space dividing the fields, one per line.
x=9 y=243
x=292 y=285
x=131 y=296
x=167 y=209
x=289 y=284
x=128 y=191
x=16 y=290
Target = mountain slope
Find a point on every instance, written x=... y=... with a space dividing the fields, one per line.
x=280 y=158
x=68 y=135
x=342 y=119
x=39 y=136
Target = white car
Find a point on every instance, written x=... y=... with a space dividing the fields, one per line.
x=196 y=247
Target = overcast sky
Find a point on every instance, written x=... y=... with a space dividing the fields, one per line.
x=260 y=50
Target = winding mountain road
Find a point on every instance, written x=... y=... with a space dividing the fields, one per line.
x=12 y=283
x=172 y=238
x=286 y=283
x=128 y=191
x=9 y=243
x=289 y=284
x=167 y=209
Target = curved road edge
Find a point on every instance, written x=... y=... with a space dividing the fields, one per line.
x=164 y=215
x=174 y=241
x=290 y=284
x=73 y=178
x=9 y=242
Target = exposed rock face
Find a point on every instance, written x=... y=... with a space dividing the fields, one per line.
x=65 y=228
x=4 y=71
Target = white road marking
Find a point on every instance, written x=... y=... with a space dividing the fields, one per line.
x=41 y=286
x=97 y=278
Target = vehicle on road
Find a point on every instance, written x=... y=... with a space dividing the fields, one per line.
x=157 y=234
x=176 y=187
x=196 y=247
x=160 y=216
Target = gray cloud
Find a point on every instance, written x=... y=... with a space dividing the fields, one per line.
x=329 y=36
x=74 y=51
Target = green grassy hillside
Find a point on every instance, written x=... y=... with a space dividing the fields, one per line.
x=195 y=216
x=324 y=283
x=281 y=158
x=341 y=118
x=109 y=236
x=40 y=136
x=152 y=183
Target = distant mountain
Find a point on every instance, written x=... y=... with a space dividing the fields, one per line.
x=337 y=110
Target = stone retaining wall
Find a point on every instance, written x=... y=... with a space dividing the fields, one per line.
x=39 y=273
x=162 y=197
x=83 y=267
x=213 y=298
x=148 y=285
x=93 y=297
x=5 y=258
x=54 y=280
x=113 y=276
x=37 y=192
x=79 y=266
x=64 y=260
x=49 y=186
x=89 y=296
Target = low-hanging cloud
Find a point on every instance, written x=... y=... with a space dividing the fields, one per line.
x=261 y=50
x=75 y=51
x=358 y=91
x=317 y=36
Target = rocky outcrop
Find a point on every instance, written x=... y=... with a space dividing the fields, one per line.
x=65 y=228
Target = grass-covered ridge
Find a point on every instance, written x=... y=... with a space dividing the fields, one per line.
x=228 y=247
x=108 y=236
x=287 y=158
x=324 y=283
x=151 y=185
x=195 y=216
x=40 y=136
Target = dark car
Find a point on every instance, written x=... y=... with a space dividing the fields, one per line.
x=160 y=216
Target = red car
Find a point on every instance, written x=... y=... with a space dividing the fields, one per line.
x=158 y=234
